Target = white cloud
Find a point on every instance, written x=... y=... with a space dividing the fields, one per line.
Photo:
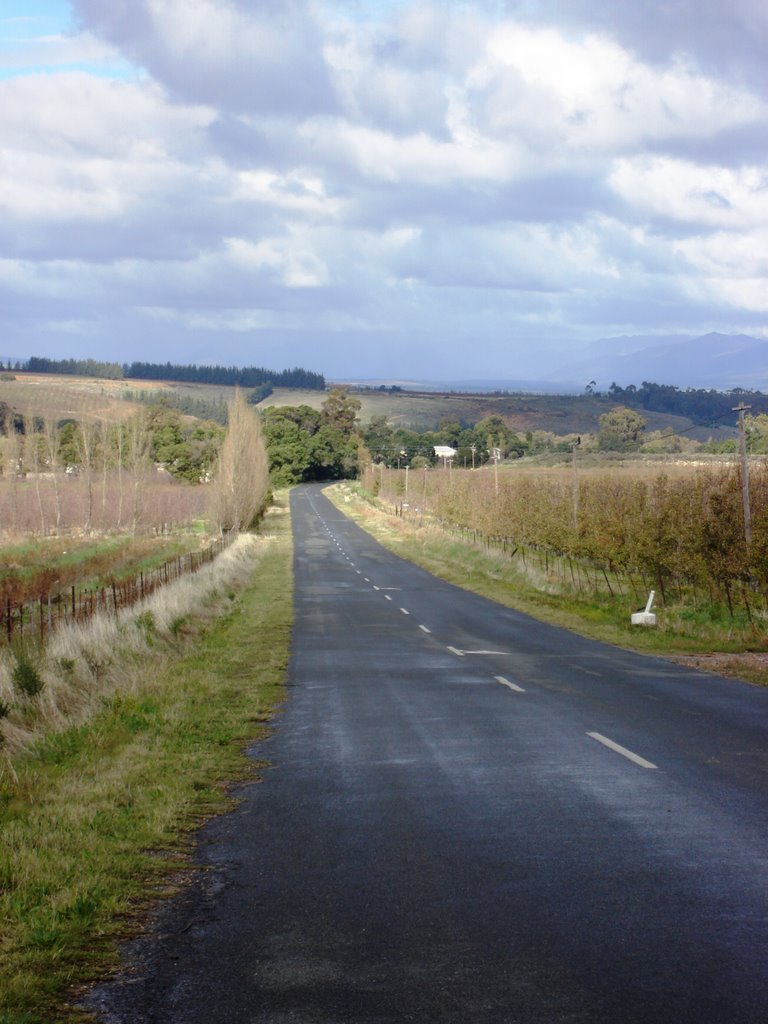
x=292 y=258
x=591 y=94
x=296 y=192
x=82 y=115
x=376 y=170
x=708 y=196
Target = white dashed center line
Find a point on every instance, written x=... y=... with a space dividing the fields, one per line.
x=503 y=653
x=405 y=611
x=387 y=597
x=617 y=748
x=424 y=629
x=506 y=682
x=456 y=651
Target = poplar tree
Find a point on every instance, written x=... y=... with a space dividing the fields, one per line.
x=241 y=480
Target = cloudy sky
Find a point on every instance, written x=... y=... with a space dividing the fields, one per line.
x=379 y=188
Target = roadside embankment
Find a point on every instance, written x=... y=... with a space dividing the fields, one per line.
x=128 y=735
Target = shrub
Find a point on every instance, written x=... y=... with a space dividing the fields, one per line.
x=146 y=623
x=177 y=625
x=26 y=678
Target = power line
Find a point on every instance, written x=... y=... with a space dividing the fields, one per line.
x=695 y=426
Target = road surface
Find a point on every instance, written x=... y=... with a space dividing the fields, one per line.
x=471 y=817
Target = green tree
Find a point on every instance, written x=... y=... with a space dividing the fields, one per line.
x=288 y=446
x=303 y=445
x=621 y=430
x=340 y=410
x=757 y=433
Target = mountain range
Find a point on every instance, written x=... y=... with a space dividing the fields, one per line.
x=715 y=361
x=719 y=361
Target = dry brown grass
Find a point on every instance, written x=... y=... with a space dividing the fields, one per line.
x=61 y=397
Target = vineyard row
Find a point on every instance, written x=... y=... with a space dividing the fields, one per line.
x=683 y=535
x=37 y=619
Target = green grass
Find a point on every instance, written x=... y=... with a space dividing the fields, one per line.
x=36 y=568
x=99 y=817
x=122 y=552
x=497 y=576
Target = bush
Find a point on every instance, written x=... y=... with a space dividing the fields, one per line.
x=26 y=678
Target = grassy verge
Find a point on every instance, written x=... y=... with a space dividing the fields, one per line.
x=494 y=575
x=98 y=817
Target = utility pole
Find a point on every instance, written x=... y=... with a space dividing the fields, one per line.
x=741 y=409
x=575 y=482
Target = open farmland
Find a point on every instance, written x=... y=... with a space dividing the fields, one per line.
x=61 y=396
x=558 y=414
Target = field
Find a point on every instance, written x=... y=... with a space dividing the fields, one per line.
x=61 y=396
x=558 y=414
x=112 y=400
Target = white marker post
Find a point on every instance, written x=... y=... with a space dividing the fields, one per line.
x=646 y=618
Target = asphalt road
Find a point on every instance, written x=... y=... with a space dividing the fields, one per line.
x=471 y=817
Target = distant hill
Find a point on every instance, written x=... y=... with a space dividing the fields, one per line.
x=720 y=361
x=559 y=414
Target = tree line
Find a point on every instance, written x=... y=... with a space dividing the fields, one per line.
x=474 y=443
x=702 y=406
x=232 y=376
